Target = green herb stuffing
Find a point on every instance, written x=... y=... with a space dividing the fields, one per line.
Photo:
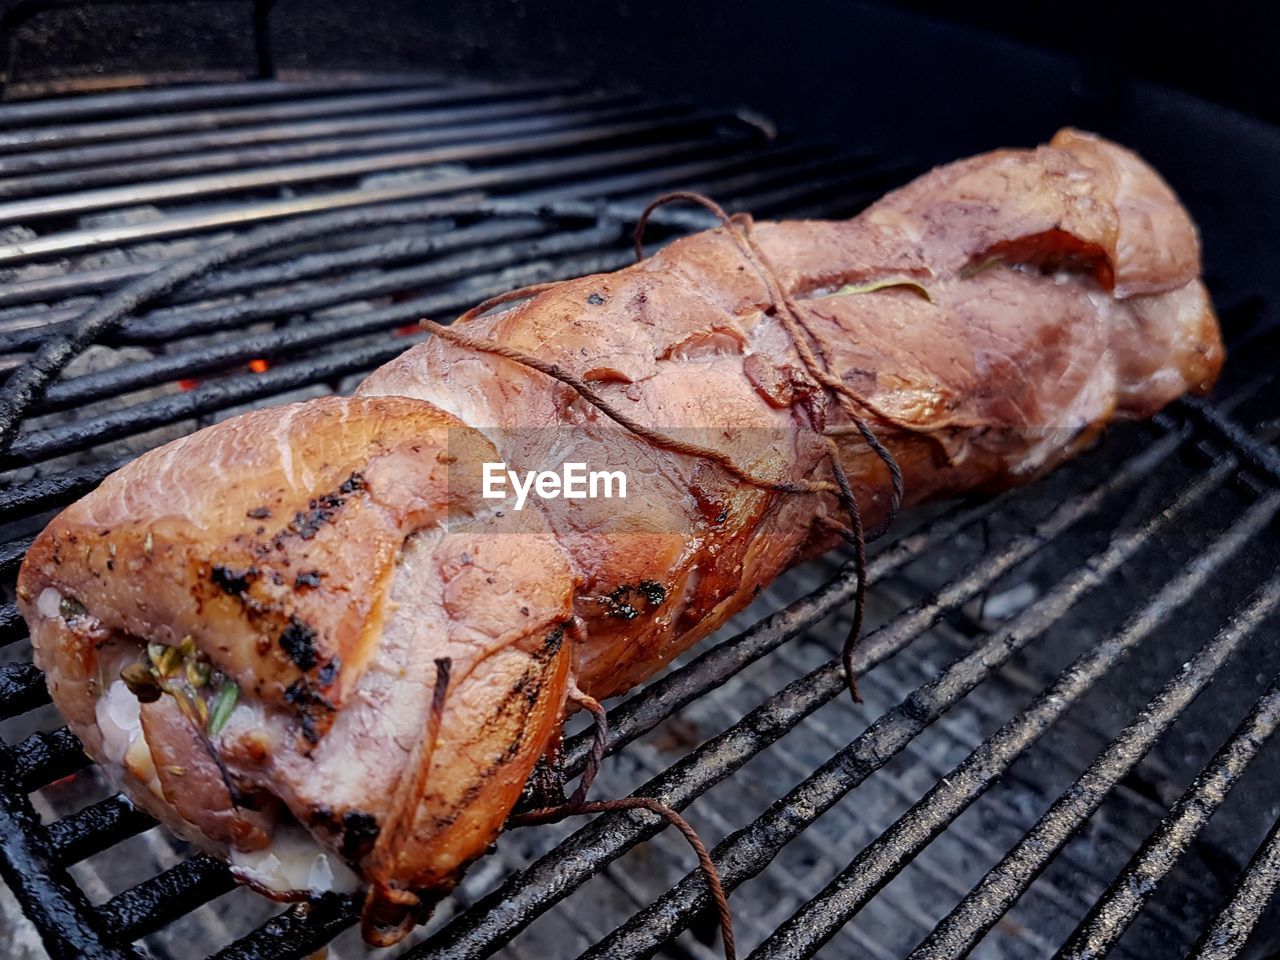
x=223 y=703
x=854 y=288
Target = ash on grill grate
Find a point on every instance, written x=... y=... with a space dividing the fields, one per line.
x=1109 y=582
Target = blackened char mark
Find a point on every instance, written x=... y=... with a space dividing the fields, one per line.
x=322 y=509
x=329 y=672
x=298 y=639
x=511 y=713
x=652 y=591
x=359 y=833
x=551 y=646
x=233 y=582
x=629 y=600
x=307 y=578
x=315 y=712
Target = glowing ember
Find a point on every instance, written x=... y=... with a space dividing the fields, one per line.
x=185 y=385
x=259 y=365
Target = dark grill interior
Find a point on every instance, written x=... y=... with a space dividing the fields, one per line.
x=1032 y=769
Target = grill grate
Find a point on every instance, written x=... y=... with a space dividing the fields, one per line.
x=1016 y=745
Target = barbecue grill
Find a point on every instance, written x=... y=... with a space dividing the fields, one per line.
x=1068 y=690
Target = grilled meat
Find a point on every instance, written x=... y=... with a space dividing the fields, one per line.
x=307 y=639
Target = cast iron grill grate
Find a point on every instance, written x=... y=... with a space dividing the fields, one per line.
x=1008 y=744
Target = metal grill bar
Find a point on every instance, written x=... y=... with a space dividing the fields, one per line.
x=101 y=319
x=217 y=395
x=296 y=932
x=163 y=99
x=748 y=851
x=74 y=391
x=638 y=185
x=169 y=323
x=43 y=493
x=1113 y=914
x=209 y=163
x=57 y=286
x=723 y=182
x=815 y=922
x=1260 y=456
x=1001 y=887
x=95 y=828
x=11 y=555
x=43 y=758
x=207 y=398
x=153 y=903
x=22 y=688
x=422 y=240
x=1231 y=928
x=165 y=123
x=54 y=902
x=502 y=179
x=495 y=919
x=854 y=188
x=11 y=625
x=273 y=177
x=113 y=150
x=29 y=331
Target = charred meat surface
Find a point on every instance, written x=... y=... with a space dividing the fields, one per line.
x=387 y=651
